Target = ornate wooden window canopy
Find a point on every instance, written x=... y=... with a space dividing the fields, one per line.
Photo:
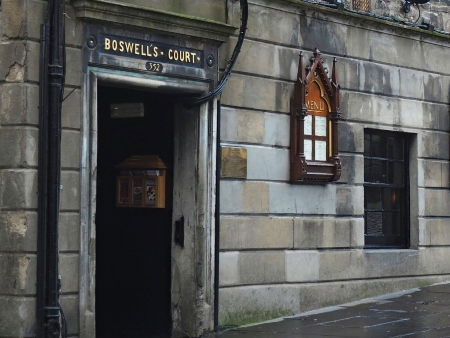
x=314 y=123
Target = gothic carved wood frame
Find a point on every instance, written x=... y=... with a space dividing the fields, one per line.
x=314 y=123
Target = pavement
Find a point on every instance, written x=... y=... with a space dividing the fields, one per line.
x=423 y=312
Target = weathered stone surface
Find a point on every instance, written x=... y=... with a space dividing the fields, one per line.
x=261 y=267
x=18 y=231
x=212 y=10
x=70 y=149
x=393 y=111
x=68 y=269
x=257 y=93
x=269 y=24
x=242 y=126
x=433 y=145
x=70 y=193
x=254 y=303
x=12 y=61
x=349 y=200
x=352 y=169
x=17 y=316
x=71 y=109
x=266 y=59
x=13 y=23
x=357 y=234
x=19 y=146
x=433 y=174
x=70 y=307
x=32 y=69
x=264 y=163
x=18 y=275
x=351 y=136
x=74 y=72
x=19 y=188
x=19 y=104
x=69 y=232
x=434 y=202
x=302 y=199
x=229 y=268
x=250 y=127
x=255 y=197
x=435 y=231
x=324 y=233
x=302 y=266
x=254 y=127
x=276 y=128
x=251 y=304
x=434 y=260
x=74 y=31
x=314 y=296
x=255 y=233
x=35 y=17
x=392 y=80
x=317 y=31
x=231 y=196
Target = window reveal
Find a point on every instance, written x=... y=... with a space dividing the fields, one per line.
x=386 y=221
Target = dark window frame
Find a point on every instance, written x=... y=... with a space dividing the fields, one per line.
x=384 y=185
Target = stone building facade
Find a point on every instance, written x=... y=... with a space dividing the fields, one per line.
x=283 y=247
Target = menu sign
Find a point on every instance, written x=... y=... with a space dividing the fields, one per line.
x=316 y=124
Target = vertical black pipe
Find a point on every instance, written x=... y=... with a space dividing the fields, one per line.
x=217 y=224
x=48 y=311
x=42 y=182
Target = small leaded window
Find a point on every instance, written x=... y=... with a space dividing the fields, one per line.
x=386 y=213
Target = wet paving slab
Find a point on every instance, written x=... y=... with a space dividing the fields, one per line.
x=421 y=312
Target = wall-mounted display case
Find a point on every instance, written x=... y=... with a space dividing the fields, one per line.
x=314 y=123
x=141 y=182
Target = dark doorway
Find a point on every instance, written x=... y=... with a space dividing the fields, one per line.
x=133 y=245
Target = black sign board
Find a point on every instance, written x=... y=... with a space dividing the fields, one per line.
x=154 y=52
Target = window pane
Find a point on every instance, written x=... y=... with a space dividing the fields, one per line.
x=367 y=163
x=391 y=224
x=367 y=144
x=374 y=224
x=396 y=173
x=378 y=172
x=382 y=224
x=379 y=146
x=391 y=199
x=395 y=148
x=390 y=147
x=373 y=199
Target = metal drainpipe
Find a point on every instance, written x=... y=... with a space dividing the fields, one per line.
x=217 y=224
x=51 y=91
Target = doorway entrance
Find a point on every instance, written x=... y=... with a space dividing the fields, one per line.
x=133 y=245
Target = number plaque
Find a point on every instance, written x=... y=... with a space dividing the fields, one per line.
x=154 y=67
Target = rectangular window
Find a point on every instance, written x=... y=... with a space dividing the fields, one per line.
x=386 y=189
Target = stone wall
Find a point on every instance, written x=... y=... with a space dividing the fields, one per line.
x=287 y=248
x=284 y=248
x=19 y=130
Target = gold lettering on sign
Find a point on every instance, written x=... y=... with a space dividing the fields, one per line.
x=181 y=55
x=149 y=50
x=314 y=105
